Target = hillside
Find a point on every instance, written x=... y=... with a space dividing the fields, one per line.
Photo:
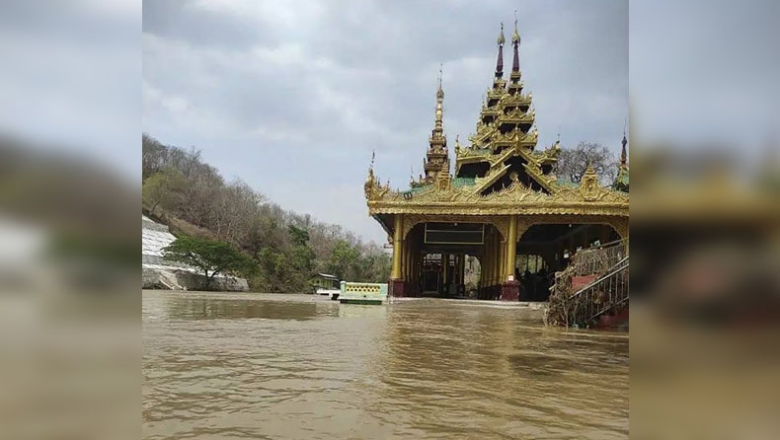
x=192 y=198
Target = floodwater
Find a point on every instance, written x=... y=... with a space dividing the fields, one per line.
x=262 y=366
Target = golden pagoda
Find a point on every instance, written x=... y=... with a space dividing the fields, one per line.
x=502 y=205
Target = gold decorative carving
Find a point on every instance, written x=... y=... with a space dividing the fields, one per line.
x=589 y=199
x=589 y=185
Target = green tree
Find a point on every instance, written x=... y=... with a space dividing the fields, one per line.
x=301 y=254
x=210 y=256
x=161 y=188
x=298 y=236
x=342 y=259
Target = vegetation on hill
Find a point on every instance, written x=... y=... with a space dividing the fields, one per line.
x=286 y=249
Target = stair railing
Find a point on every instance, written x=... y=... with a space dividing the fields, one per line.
x=608 y=293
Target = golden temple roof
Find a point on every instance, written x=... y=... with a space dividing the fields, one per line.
x=500 y=171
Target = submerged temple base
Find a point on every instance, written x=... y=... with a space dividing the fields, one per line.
x=510 y=291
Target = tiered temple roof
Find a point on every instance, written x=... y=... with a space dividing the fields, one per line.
x=501 y=171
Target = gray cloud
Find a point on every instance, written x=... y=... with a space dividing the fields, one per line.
x=293 y=96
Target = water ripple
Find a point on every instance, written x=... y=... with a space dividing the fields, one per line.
x=220 y=366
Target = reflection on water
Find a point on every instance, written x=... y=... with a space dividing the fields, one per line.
x=279 y=366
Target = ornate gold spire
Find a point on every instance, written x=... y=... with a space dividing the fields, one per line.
x=624 y=151
x=437 y=160
x=622 y=179
x=439 y=124
x=500 y=62
x=515 y=43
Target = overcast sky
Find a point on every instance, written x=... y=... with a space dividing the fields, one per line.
x=293 y=96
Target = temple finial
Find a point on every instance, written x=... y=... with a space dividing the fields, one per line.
x=437 y=134
x=624 y=151
x=439 y=106
x=515 y=44
x=500 y=61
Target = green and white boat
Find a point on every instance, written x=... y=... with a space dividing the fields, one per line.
x=363 y=293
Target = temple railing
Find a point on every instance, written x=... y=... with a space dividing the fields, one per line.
x=598 y=260
x=595 y=283
x=609 y=293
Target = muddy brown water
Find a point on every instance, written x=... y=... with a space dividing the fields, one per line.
x=264 y=366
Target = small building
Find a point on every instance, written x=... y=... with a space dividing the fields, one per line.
x=324 y=281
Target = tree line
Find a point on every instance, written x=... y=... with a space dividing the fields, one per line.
x=284 y=249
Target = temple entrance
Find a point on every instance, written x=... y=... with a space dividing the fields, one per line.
x=548 y=248
x=443 y=275
x=507 y=258
x=441 y=254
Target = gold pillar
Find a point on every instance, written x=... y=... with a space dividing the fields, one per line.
x=397 y=246
x=511 y=249
x=501 y=262
x=623 y=231
x=499 y=270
